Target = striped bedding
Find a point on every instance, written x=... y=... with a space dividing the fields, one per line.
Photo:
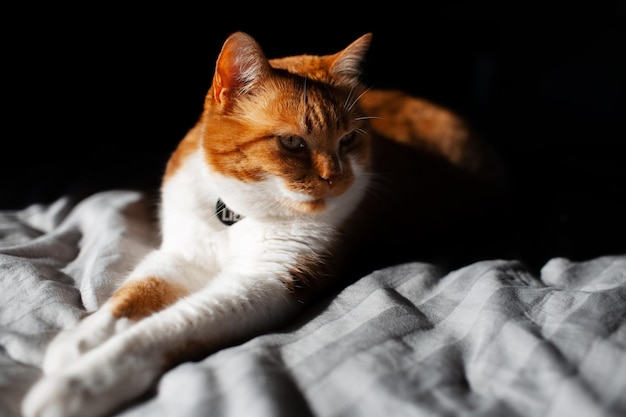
x=492 y=338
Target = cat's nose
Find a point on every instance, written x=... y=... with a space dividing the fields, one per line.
x=331 y=180
x=328 y=168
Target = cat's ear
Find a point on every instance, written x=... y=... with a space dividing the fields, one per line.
x=346 y=67
x=240 y=64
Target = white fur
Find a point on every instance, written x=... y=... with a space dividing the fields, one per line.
x=232 y=273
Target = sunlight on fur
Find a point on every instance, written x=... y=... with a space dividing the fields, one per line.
x=283 y=180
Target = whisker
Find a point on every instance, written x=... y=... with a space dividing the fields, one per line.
x=346 y=105
x=216 y=213
x=367 y=118
x=351 y=106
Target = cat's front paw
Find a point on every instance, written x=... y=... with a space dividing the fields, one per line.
x=98 y=382
x=58 y=396
x=69 y=345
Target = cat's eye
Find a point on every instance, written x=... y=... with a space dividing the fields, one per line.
x=292 y=143
x=348 y=140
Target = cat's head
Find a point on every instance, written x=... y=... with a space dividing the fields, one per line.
x=286 y=135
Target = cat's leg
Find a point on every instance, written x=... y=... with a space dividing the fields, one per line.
x=229 y=309
x=150 y=288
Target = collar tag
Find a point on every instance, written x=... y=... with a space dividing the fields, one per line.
x=226 y=215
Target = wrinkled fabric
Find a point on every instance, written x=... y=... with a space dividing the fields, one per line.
x=489 y=339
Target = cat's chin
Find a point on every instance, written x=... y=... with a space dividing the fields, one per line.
x=316 y=206
x=310 y=207
x=330 y=206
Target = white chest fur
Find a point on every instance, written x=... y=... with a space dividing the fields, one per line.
x=267 y=237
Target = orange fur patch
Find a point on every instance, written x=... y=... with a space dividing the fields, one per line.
x=418 y=123
x=140 y=298
x=427 y=126
x=238 y=156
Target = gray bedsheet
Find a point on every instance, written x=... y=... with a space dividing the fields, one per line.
x=489 y=339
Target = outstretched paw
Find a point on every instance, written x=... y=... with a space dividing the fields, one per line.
x=97 y=383
x=58 y=396
x=71 y=344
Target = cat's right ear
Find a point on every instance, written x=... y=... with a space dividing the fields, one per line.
x=240 y=65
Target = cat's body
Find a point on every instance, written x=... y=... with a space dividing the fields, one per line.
x=294 y=149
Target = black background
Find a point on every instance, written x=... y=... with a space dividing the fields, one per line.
x=97 y=98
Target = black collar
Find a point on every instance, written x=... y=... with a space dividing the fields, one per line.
x=226 y=215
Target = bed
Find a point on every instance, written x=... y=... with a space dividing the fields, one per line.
x=490 y=338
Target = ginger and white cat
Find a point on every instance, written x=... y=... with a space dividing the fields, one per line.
x=293 y=169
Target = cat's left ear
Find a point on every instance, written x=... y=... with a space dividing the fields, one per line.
x=346 y=67
x=240 y=64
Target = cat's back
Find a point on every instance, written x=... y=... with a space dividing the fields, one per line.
x=424 y=125
x=438 y=188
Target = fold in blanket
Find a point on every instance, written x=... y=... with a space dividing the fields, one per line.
x=489 y=339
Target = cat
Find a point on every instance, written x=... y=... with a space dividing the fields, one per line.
x=294 y=170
